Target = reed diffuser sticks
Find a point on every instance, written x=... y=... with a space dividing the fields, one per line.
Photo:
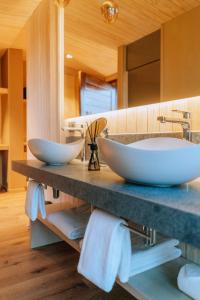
x=94 y=164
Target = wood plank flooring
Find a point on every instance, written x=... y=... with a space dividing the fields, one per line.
x=46 y=273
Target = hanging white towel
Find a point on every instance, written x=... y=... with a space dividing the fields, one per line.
x=35 y=201
x=106 y=251
x=189 y=280
x=71 y=222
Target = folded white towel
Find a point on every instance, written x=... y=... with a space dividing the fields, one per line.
x=142 y=261
x=106 y=251
x=147 y=259
x=189 y=280
x=71 y=222
x=35 y=201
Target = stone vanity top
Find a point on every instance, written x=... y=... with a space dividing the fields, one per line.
x=173 y=211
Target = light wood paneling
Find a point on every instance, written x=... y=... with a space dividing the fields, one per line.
x=94 y=43
x=194 y=107
x=143 y=119
x=72 y=93
x=122 y=80
x=45 y=72
x=181 y=56
x=131 y=116
x=13 y=16
x=152 y=113
x=143 y=51
x=12 y=113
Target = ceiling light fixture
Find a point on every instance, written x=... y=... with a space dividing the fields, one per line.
x=69 y=56
x=62 y=3
x=110 y=11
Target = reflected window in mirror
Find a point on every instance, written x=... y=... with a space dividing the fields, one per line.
x=97 y=95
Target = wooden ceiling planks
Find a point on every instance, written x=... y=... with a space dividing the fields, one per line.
x=13 y=16
x=93 y=43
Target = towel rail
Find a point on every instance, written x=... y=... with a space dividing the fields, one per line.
x=56 y=192
x=148 y=233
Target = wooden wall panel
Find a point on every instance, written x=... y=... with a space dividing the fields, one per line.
x=181 y=56
x=143 y=51
x=141 y=119
x=43 y=76
x=131 y=116
x=152 y=114
x=72 y=93
x=122 y=83
x=144 y=118
x=12 y=113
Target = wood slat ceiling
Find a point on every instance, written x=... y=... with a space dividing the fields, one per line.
x=13 y=16
x=94 y=43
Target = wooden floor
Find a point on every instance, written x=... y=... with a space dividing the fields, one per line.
x=46 y=273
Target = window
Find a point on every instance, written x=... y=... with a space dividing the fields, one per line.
x=97 y=96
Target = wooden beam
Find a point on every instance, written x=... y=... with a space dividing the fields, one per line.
x=122 y=86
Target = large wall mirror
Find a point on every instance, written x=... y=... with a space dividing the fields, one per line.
x=149 y=54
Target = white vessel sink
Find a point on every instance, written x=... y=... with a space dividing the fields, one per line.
x=155 y=161
x=54 y=153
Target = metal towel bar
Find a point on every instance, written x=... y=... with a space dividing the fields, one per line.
x=148 y=233
x=56 y=192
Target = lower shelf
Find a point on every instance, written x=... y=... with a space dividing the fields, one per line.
x=156 y=284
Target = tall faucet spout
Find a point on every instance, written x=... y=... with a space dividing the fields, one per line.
x=184 y=122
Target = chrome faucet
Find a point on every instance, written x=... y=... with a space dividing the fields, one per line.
x=185 y=122
x=106 y=132
x=81 y=130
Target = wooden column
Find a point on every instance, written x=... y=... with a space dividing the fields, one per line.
x=45 y=71
x=12 y=119
x=45 y=74
x=122 y=83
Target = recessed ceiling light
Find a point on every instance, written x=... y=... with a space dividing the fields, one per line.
x=69 y=56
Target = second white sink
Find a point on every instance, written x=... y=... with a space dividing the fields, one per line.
x=55 y=153
x=155 y=161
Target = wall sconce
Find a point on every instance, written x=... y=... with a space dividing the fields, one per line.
x=110 y=11
x=62 y=3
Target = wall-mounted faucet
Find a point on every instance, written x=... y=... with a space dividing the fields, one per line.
x=81 y=130
x=106 y=132
x=185 y=122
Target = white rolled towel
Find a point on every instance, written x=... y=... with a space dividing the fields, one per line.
x=35 y=201
x=72 y=222
x=189 y=280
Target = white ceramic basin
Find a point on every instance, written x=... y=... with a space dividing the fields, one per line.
x=155 y=161
x=54 y=153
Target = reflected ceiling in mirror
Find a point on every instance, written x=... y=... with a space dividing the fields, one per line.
x=104 y=51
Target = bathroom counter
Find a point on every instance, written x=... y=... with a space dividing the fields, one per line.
x=174 y=211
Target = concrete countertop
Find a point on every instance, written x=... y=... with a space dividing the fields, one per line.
x=173 y=211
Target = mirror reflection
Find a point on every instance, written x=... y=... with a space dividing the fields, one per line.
x=127 y=60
